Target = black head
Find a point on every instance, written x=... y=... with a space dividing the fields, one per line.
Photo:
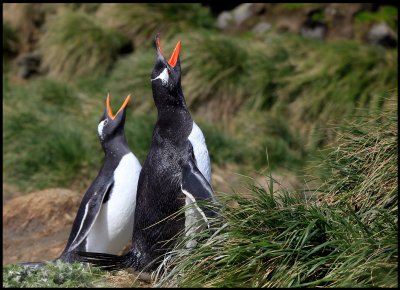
x=110 y=125
x=166 y=77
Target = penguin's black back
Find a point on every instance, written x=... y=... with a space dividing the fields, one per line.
x=159 y=195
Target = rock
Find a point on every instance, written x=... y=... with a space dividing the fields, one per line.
x=242 y=12
x=382 y=34
x=241 y=18
x=28 y=64
x=317 y=31
x=224 y=19
x=261 y=27
x=36 y=226
x=292 y=22
x=340 y=17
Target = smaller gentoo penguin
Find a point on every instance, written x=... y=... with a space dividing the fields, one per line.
x=105 y=216
x=169 y=177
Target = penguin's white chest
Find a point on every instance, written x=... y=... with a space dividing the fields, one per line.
x=195 y=219
x=113 y=227
x=200 y=150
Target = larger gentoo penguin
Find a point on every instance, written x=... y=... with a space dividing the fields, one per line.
x=104 y=219
x=169 y=175
x=196 y=136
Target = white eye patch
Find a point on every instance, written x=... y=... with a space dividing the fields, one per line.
x=163 y=76
x=100 y=128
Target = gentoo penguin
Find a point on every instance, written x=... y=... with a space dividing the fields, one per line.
x=196 y=138
x=104 y=219
x=169 y=175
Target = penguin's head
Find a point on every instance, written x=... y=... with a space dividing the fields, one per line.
x=166 y=75
x=111 y=125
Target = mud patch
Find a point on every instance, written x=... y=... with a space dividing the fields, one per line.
x=36 y=226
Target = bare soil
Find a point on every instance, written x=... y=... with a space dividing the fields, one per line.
x=36 y=226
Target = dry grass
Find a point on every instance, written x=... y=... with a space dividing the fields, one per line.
x=76 y=44
x=140 y=21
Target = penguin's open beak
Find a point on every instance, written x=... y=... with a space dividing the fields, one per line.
x=174 y=57
x=109 y=111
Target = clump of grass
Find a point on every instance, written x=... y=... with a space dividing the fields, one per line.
x=131 y=74
x=84 y=7
x=284 y=239
x=223 y=147
x=387 y=13
x=58 y=95
x=140 y=21
x=279 y=75
x=364 y=173
x=286 y=147
x=292 y=99
x=54 y=127
x=76 y=44
x=355 y=80
x=138 y=132
x=214 y=67
x=43 y=120
x=51 y=275
x=10 y=39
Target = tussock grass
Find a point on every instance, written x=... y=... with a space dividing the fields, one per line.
x=45 y=129
x=131 y=74
x=294 y=100
x=76 y=44
x=214 y=68
x=138 y=132
x=10 y=40
x=54 y=128
x=223 y=147
x=52 y=275
x=280 y=74
x=279 y=93
x=140 y=21
x=387 y=13
x=365 y=174
x=276 y=238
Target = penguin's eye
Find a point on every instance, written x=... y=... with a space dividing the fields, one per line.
x=105 y=122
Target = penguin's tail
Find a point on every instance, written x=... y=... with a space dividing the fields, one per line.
x=33 y=265
x=105 y=261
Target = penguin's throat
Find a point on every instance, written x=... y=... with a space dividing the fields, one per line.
x=117 y=146
x=172 y=101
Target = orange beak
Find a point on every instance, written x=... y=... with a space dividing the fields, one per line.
x=174 y=57
x=109 y=111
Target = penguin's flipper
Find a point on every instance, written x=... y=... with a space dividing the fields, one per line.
x=197 y=188
x=88 y=213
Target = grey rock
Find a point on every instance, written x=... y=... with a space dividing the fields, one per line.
x=28 y=64
x=261 y=27
x=224 y=19
x=316 y=32
x=382 y=34
x=242 y=12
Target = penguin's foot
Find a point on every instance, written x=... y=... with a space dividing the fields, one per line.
x=104 y=261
